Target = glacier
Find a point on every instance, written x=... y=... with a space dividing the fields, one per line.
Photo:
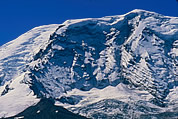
x=123 y=66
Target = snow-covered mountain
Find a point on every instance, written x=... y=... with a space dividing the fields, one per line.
x=122 y=66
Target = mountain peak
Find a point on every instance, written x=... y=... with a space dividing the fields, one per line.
x=114 y=60
x=138 y=10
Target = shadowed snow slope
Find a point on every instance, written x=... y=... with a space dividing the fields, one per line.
x=17 y=53
x=122 y=66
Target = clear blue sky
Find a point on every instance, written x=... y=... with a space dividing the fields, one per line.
x=19 y=16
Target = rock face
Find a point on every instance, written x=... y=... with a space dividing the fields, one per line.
x=110 y=65
x=46 y=109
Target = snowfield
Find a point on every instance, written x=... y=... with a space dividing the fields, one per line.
x=123 y=66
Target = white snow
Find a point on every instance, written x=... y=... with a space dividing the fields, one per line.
x=22 y=117
x=17 y=53
x=13 y=58
x=17 y=99
x=121 y=92
x=38 y=112
x=96 y=57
